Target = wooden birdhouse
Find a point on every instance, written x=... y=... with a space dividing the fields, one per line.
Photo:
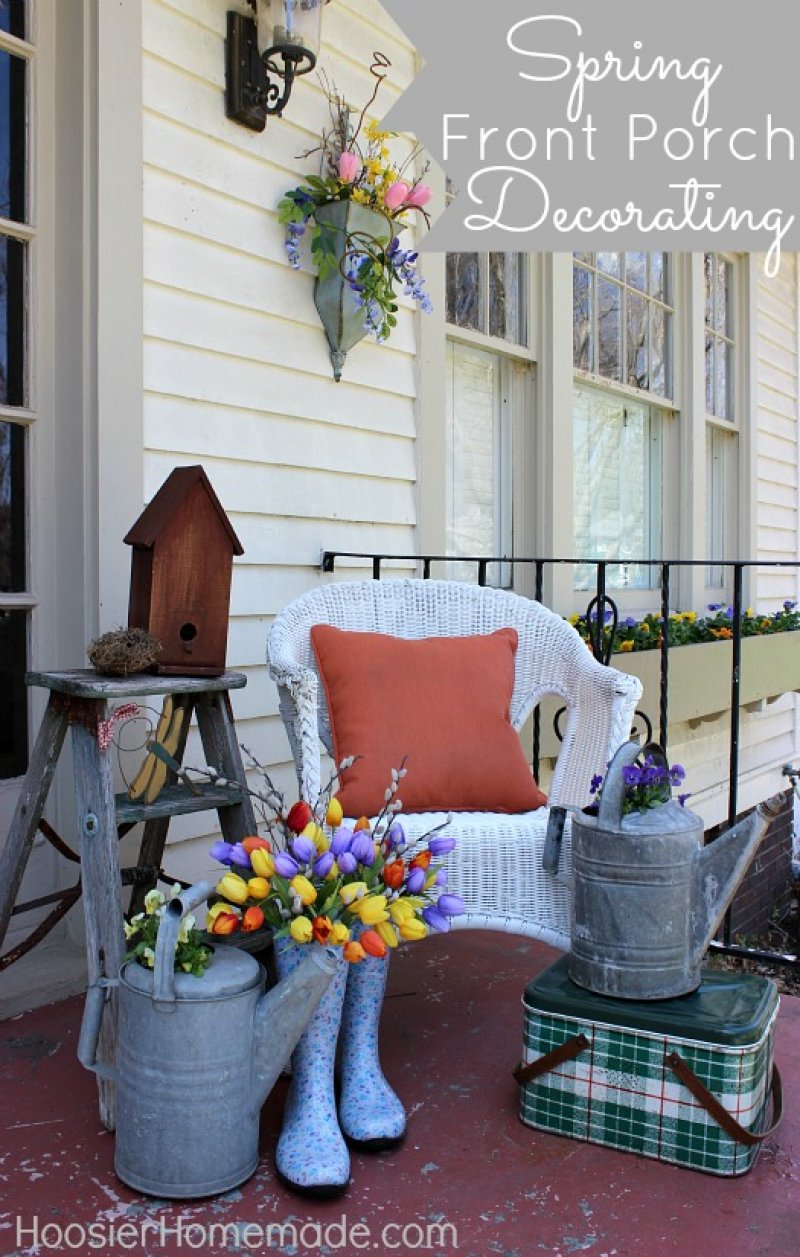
x=183 y=548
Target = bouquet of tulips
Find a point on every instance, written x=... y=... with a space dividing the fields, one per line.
x=360 y=886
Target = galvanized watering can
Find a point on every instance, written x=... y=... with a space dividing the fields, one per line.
x=197 y=1057
x=648 y=897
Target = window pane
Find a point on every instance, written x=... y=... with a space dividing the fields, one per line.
x=636 y=270
x=709 y=374
x=708 y=271
x=616 y=496
x=12 y=508
x=659 y=272
x=608 y=328
x=723 y=314
x=466 y=300
x=13 y=696
x=12 y=137
x=588 y=258
x=723 y=407
x=715 y=505
x=636 y=341
x=12 y=322
x=608 y=262
x=507 y=296
x=472 y=414
x=582 y=344
x=12 y=17
x=659 y=351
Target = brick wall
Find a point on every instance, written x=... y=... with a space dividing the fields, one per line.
x=767 y=883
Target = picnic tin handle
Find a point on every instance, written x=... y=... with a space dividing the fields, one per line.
x=720 y=1114
x=551 y=1060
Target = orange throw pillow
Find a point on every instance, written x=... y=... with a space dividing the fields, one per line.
x=443 y=703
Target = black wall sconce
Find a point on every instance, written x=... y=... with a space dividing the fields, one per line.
x=258 y=84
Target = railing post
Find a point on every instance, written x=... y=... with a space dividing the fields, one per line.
x=663 y=694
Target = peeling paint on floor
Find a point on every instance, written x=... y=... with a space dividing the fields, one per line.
x=467 y=1162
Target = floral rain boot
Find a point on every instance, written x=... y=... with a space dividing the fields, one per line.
x=370 y=1114
x=311 y=1156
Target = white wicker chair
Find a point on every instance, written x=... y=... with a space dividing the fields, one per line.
x=497 y=864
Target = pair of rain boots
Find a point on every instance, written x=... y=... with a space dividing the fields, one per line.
x=312 y=1156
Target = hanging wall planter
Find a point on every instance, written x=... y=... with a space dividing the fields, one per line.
x=356 y=231
x=353 y=214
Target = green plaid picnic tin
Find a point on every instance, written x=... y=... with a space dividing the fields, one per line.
x=686 y=1080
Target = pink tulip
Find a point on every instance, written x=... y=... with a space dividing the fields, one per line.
x=396 y=195
x=419 y=196
x=349 y=167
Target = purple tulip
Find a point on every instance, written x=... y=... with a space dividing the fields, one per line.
x=363 y=848
x=341 y=840
x=435 y=919
x=239 y=856
x=285 y=866
x=441 y=878
x=303 y=849
x=396 y=836
x=451 y=905
x=441 y=846
x=347 y=862
x=323 y=865
x=221 y=851
x=415 y=881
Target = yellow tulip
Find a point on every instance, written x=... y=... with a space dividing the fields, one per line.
x=317 y=836
x=400 y=910
x=430 y=879
x=262 y=862
x=303 y=889
x=353 y=891
x=339 y=934
x=334 y=815
x=233 y=887
x=371 y=910
x=300 y=930
x=387 y=932
x=413 y=929
x=259 y=887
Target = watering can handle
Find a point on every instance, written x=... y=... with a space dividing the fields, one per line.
x=91 y=1022
x=164 y=972
x=609 y=815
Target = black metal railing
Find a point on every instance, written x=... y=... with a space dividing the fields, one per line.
x=599 y=605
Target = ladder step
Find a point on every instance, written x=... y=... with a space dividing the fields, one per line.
x=177 y=801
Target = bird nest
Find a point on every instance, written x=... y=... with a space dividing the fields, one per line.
x=123 y=652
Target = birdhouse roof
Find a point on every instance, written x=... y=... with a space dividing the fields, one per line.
x=158 y=514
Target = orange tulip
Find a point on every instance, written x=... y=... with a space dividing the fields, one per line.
x=224 y=923
x=253 y=919
x=320 y=929
x=393 y=874
x=421 y=861
x=372 y=943
x=353 y=951
x=255 y=843
x=362 y=823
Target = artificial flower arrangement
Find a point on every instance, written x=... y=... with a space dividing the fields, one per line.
x=358 y=167
x=647 y=784
x=686 y=628
x=362 y=887
x=191 y=952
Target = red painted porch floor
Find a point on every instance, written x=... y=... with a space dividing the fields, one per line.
x=452 y=1030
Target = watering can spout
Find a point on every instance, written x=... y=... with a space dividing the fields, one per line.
x=283 y=1013
x=720 y=868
